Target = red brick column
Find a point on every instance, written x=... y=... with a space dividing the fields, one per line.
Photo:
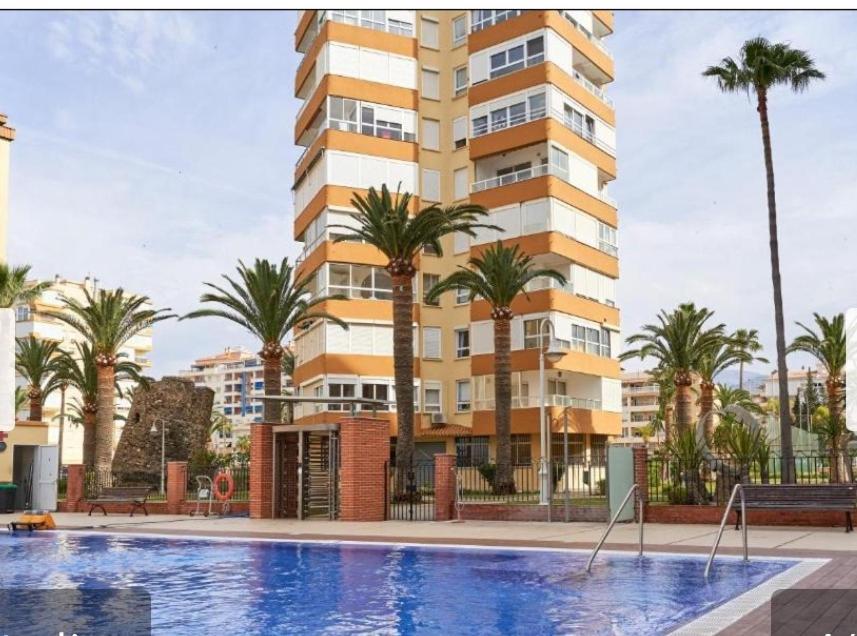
x=176 y=487
x=444 y=487
x=364 y=450
x=261 y=471
x=641 y=476
x=74 y=487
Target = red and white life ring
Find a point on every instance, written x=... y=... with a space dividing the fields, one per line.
x=221 y=477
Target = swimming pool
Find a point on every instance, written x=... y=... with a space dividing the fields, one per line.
x=201 y=586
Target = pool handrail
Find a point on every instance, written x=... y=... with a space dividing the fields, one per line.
x=737 y=489
x=612 y=523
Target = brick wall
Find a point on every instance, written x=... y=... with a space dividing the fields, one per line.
x=75 y=487
x=523 y=512
x=364 y=451
x=261 y=471
x=713 y=514
x=444 y=487
x=155 y=508
x=176 y=486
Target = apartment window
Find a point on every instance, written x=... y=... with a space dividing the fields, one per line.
x=522 y=450
x=429 y=281
x=343 y=114
x=462 y=396
x=517 y=57
x=484 y=18
x=360 y=281
x=432 y=397
x=578 y=338
x=428 y=33
x=373 y=20
x=459 y=132
x=431 y=134
x=431 y=185
x=462 y=343
x=369 y=125
x=460 y=181
x=605 y=342
x=462 y=295
x=341 y=390
x=459 y=30
x=576 y=447
x=431 y=343
x=375 y=391
x=598 y=446
x=430 y=84
x=559 y=162
x=531 y=333
x=471 y=451
x=607 y=239
x=429 y=250
x=459 y=80
x=22 y=313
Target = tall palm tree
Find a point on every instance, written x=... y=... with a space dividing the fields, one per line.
x=498 y=276
x=663 y=377
x=268 y=302
x=747 y=341
x=678 y=342
x=717 y=357
x=761 y=66
x=20 y=398
x=14 y=289
x=80 y=371
x=384 y=221
x=107 y=321
x=36 y=361
x=726 y=396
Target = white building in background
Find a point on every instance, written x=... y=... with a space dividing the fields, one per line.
x=639 y=405
x=770 y=388
x=236 y=377
x=34 y=319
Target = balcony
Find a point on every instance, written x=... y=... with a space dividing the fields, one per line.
x=530 y=401
x=592 y=88
x=518 y=176
x=375 y=20
x=484 y=18
x=586 y=33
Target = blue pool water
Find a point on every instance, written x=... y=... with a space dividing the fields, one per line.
x=254 y=587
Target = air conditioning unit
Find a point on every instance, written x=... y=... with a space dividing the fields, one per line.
x=438 y=419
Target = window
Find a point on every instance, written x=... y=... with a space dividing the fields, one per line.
x=517 y=57
x=429 y=281
x=431 y=398
x=605 y=342
x=578 y=338
x=462 y=396
x=428 y=33
x=462 y=343
x=431 y=343
x=431 y=134
x=480 y=125
x=343 y=114
x=459 y=132
x=343 y=390
x=431 y=185
x=459 y=83
x=360 y=281
x=22 y=313
x=531 y=333
x=471 y=451
x=522 y=450
x=598 y=447
x=460 y=182
x=462 y=295
x=375 y=391
x=576 y=447
x=373 y=20
x=429 y=250
x=607 y=241
x=559 y=162
x=431 y=84
x=459 y=30
x=484 y=18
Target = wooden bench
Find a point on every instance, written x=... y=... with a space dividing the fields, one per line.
x=798 y=497
x=134 y=495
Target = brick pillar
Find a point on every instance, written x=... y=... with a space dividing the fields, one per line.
x=364 y=445
x=74 y=487
x=176 y=487
x=641 y=476
x=261 y=471
x=444 y=487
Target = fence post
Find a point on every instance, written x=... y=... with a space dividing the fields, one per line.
x=641 y=476
x=74 y=492
x=176 y=487
x=261 y=471
x=364 y=451
x=444 y=486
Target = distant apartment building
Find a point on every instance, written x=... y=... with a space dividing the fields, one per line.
x=502 y=108
x=797 y=379
x=34 y=319
x=236 y=377
x=639 y=405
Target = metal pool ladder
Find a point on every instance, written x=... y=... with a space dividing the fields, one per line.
x=613 y=523
x=738 y=489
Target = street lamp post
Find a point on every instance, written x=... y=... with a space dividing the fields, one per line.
x=553 y=355
x=154 y=431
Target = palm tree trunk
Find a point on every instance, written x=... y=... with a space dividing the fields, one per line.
x=403 y=365
x=104 y=418
x=683 y=404
x=668 y=421
x=779 y=320
x=741 y=375
x=272 y=366
x=706 y=406
x=834 y=405
x=35 y=405
x=504 y=480
x=88 y=439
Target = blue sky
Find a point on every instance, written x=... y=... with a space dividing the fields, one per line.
x=155 y=149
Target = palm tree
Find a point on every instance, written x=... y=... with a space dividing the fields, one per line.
x=107 y=321
x=678 y=342
x=663 y=377
x=80 y=371
x=747 y=341
x=14 y=289
x=384 y=221
x=726 y=396
x=20 y=398
x=833 y=435
x=269 y=303
x=36 y=361
x=498 y=276
x=761 y=66
x=717 y=357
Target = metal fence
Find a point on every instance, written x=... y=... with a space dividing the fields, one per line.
x=96 y=480
x=411 y=495
x=671 y=480
x=584 y=481
x=240 y=478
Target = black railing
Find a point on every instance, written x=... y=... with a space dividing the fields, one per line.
x=95 y=481
x=240 y=478
x=411 y=493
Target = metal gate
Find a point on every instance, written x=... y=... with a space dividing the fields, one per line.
x=411 y=493
x=319 y=475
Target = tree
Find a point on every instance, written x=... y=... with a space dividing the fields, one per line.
x=384 y=221
x=761 y=66
x=747 y=342
x=678 y=342
x=36 y=361
x=666 y=398
x=720 y=354
x=726 y=397
x=498 y=276
x=20 y=398
x=834 y=436
x=107 y=321
x=269 y=302
x=79 y=370
x=14 y=289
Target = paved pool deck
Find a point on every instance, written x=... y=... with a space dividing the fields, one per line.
x=830 y=543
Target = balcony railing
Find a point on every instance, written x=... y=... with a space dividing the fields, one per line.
x=521 y=175
x=532 y=401
x=586 y=33
x=539 y=284
x=607 y=199
x=592 y=88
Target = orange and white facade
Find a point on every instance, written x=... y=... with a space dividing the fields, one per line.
x=506 y=109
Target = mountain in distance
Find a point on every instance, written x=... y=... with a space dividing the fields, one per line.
x=752 y=379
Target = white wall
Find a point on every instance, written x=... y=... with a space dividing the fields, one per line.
x=368 y=64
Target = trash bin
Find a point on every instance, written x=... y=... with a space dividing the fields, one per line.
x=7 y=496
